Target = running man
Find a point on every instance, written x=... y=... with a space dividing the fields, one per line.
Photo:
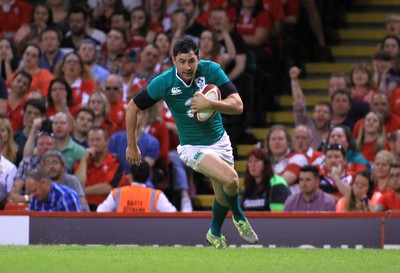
x=204 y=146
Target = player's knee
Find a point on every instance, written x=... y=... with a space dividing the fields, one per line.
x=232 y=180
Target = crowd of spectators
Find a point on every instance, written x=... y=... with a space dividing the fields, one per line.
x=68 y=69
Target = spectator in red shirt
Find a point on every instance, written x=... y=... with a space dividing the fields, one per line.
x=372 y=137
x=60 y=99
x=98 y=170
x=98 y=102
x=391 y=200
x=112 y=89
x=380 y=104
x=78 y=76
x=16 y=98
x=13 y=14
x=302 y=139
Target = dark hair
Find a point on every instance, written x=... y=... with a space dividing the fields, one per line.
x=395 y=165
x=349 y=137
x=324 y=103
x=16 y=58
x=390 y=37
x=35 y=46
x=37 y=103
x=310 y=169
x=122 y=32
x=382 y=55
x=393 y=136
x=341 y=92
x=86 y=110
x=145 y=28
x=70 y=100
x=124 y=14
x=351 y=204
x=25 y=74
x=185 y=45
x=99 y=128
x=335 y=147
x=78 y=9
x=140 y=173
x=51 y=29
x=268 y=173
x=254 y=13
x=49 y=11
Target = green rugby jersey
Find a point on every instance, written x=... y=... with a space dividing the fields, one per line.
x=177 y=94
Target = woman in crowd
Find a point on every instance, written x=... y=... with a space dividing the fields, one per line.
x=8 y=58
x=384 y=76
x=371 y=137
x=342 y=135
x=99 y=104
x=60 y=99
x=162 y=41
x=10 y=148
x=381 y=167
x=391 y=44
x=42 y=17
x=40 y=77
x=139 y=32
x=103 y=11
x=362 y=86
x=59 y=11
x=263 y=190
x=159 y=19
x=362 y=196
x=210 y=50
x=78 y=76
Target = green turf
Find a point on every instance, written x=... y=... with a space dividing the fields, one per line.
x=32 y=259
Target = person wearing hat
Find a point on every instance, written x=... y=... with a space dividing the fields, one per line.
x=88 y=53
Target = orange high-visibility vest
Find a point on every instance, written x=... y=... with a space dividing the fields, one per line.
x=136 y=199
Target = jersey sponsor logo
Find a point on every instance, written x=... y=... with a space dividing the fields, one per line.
x=176 y=91
x=190 y=113
x=200 y=82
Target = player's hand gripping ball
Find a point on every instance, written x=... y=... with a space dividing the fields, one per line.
x=211 y=92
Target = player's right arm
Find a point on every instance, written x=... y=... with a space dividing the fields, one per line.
x=140 y=102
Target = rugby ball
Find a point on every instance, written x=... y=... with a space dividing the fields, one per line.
x=212 y=92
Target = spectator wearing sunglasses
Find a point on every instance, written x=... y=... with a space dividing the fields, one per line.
x=113 y=90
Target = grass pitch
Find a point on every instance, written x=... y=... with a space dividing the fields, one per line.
x=55 y=259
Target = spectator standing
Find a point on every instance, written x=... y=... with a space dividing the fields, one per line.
x=320 y=123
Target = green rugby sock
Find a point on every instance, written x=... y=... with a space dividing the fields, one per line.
x=233 y=201
x=219 y=213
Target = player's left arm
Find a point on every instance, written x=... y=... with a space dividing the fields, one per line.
x=231 y=103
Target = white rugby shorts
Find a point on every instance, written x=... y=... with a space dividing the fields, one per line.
x=193 y=154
